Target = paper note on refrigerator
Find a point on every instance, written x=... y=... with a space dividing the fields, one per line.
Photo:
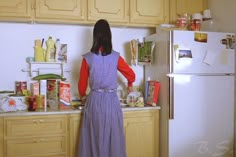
x=224 y=57
x=209 y=57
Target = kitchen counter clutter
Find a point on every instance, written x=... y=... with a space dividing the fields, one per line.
x=70 y=111
x=55 y=133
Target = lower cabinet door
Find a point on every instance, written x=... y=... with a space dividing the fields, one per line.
x=75 y=121
x=142 y=134
x=34 y=147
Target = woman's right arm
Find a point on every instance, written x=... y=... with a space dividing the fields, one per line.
x=127 y=72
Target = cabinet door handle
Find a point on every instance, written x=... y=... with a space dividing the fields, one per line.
x=40 y=140
x=38 y=121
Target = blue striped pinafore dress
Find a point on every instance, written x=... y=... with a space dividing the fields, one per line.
x=102 y=133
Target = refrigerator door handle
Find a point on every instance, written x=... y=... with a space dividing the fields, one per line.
x=171 y=97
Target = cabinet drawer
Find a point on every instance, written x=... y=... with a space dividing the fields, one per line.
x=35 y=125
x=39 y=146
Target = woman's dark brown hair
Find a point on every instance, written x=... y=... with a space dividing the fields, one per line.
x=102 y=38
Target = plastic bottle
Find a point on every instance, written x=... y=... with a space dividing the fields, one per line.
x=58 y=49
x=50 y=52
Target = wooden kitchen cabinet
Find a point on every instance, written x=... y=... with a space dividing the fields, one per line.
x=129 y=12
x=74 y=132
x=35 y=136
x=61 y=11
x=48 y=11
x=114 y=11
x=117 y=12
x=179 y=7
x=57 y=135
x=16 y=10
x=142 y=133
x=149 y=12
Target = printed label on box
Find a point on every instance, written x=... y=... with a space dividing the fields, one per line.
x=153 y=88
x=34 y=86
x=64 y=94
x=52 y=94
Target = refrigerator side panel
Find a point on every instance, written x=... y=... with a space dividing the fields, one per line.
x=203 y=123
x=202 y=52
x=158 y=71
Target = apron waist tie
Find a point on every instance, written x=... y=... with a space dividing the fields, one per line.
x=104 y=90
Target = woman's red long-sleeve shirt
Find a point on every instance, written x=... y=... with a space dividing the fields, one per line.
x=123 y=67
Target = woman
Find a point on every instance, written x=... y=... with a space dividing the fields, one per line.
x=102 y=132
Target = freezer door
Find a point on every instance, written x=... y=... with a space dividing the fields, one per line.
x=201 y=52
x=203 y=124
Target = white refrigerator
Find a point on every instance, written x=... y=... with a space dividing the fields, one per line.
x=197 y=88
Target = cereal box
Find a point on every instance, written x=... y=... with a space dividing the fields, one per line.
x=152 y=92
x=64 y=94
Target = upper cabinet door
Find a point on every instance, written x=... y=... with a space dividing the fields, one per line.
x=15 y=10
x=115 y=11
x=179 y=7
x=148 y=11
x=61 y=10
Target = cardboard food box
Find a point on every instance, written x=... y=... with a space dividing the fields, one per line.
x=152 y=92
x=34 y=87
x=64 y=94
x=52 y=94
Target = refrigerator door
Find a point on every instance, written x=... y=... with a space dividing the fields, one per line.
x=201 y=52
x=203 y=124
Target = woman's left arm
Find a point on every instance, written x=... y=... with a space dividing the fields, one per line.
x=83 y=79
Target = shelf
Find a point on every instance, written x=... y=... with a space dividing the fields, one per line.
x=31 y=64
x=46 y=63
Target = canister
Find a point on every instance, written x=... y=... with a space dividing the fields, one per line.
x=39 y=54
x=196 y=22
x=31 y=103
x=181 y=22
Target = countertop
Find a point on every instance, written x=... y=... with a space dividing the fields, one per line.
x=70 y=111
